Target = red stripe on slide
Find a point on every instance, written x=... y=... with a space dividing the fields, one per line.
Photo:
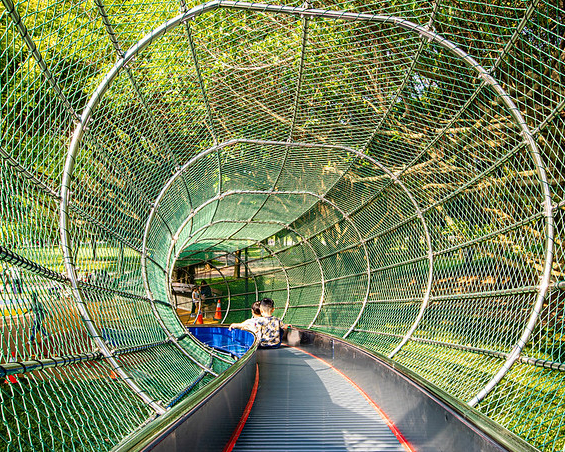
x=235 y=436
x=399 y=436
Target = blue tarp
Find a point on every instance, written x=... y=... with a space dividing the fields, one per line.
x=235 y=341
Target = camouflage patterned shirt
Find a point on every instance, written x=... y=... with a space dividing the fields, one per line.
x=268 y=331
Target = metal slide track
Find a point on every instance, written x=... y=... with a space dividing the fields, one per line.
x=303 y=404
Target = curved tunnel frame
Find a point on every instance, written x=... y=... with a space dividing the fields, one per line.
x=424 y=32
x=320 y=198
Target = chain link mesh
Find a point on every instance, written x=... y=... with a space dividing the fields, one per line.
x=390 y=173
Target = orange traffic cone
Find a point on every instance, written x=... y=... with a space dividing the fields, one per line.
x=199 y=319
x=218 y=314
x=12 y=378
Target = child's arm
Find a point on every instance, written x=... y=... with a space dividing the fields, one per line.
x=239 y=326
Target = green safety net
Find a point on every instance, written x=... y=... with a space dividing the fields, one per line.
x=390 y=173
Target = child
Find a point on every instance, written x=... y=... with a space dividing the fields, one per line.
x=270 y=327
x=196 y=300
x=250 y=324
